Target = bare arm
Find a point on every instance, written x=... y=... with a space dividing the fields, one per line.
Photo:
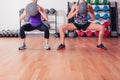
x=23 y=15
x=42 y=12
x=91 y=12
x=73 y=11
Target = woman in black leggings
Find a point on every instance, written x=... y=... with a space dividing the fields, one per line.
x=35 y=22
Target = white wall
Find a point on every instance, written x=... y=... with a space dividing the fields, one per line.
x=9 y=11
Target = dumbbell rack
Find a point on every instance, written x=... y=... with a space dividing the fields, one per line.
x=53 y=22
x=102 y=20
x=9 y=33
x=114 y=19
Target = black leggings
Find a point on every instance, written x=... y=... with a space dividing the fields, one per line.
x=29 y=27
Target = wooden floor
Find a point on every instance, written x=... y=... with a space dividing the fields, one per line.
x=81 y=60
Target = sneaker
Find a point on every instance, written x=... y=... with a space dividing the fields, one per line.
x=61 y=46
x=22 y=47
x=47 y=47
x=101 y=46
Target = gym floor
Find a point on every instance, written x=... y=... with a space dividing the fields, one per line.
x=81 y=60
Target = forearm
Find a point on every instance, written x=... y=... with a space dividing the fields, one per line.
x=92 y=16
x=23 y=15
x=71 y=15
x=44 y=15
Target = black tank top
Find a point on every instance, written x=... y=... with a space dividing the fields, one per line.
x=81 y=16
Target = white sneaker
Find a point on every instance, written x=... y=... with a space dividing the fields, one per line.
x=22 y=47
x=47 y=47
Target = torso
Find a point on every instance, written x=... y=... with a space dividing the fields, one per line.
x=81 y=17
x=35 y=20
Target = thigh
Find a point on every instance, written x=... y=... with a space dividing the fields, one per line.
x=27 y=27
x=94 y=26
x=42 y=27
x=69 y=26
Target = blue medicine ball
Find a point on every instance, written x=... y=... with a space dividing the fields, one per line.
x=98 y=23
x=97 y=16
x=105 y=16
x=105 y=8
x=97 y=8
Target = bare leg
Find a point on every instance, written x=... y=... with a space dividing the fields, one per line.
x=64 y=27
x=23 y=40
x=98 y=27
x=46 y=41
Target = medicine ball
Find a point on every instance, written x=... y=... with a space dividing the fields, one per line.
x=32 y=9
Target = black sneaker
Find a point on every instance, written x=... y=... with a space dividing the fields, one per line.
x=22 y=47
x=61 y=46
x=101 y=46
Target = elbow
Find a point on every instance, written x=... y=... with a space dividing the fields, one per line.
x=68 y=17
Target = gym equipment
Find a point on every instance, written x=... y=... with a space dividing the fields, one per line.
x=114 y=19
x=72 y=34
x=96 y=2
x=52 y=11
x=47 y=11
x=69 y=8
x=97 y=8
x=105 y=16
x=57 y=35
x=96 y=33
x=0 y=34
x=88 y=1
x=98 y=23
x=106 y=24
x=80 y=33
x=21 y=11
x=82 y=7
x=11 y=33
x=8 y=33
x=88 y=17
x=106 y=33
x=97 y=16
x=88 y=33
x=104 y=2
x=32 y=9
x=4 y=32
x=16 y=33
x=105 y=8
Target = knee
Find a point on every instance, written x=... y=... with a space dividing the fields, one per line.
x=61 y=28
x=21 y=29
x=46 y=29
